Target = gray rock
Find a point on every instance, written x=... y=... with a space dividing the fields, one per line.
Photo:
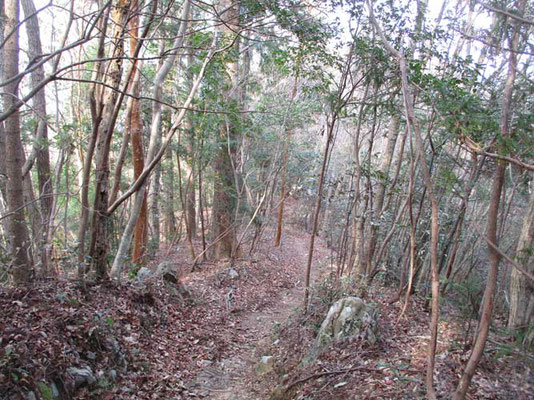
x=144 y=274
x=167 y=271
x=111 y=344
x=348 y=318
x=55 y=390
x=265 y=365
x=31 y=396
x=233 y=274
x=112 y=375
x=82 y=376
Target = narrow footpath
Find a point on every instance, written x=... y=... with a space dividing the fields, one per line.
x=234 y=378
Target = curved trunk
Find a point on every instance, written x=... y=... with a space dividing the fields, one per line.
x=493 y=220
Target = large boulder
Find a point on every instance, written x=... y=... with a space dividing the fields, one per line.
x=348 y=318
x=167 y=271
x=144 y=274
x=82 y=376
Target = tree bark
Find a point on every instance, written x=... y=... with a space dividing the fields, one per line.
x=381 y=190
x=285 y=159
x=95 y=98
x=18 y=231
x=100 y=229
x=225 y=191
x=493 y=220
x=521 y=315
x=41 y=138
x=136 y=133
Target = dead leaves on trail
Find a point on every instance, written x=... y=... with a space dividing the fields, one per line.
x=152 y=343
x=394 y=368
x=140 y=343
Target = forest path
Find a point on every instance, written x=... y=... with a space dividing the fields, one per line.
x=232 y=378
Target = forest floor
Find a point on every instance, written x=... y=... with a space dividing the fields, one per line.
x=236 y=377
x=157 y=341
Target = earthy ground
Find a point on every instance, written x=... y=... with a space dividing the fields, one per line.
x=235 y=378
x=153 y=341
x=156 y=341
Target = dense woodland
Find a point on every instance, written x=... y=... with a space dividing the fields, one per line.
x=391 y=140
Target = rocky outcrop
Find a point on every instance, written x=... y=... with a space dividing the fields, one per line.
x=167 y=271
x=348 y=318
x=144 y=274
x=82 y=376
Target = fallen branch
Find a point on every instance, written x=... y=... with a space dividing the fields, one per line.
x=325 y=373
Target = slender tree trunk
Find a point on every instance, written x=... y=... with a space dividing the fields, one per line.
x=521 y=314
x=155 y=185
x=358 y=213
x=135 y=126
x=96 y=107
x=381 y=189
x=413 y=228
x=329 y=137
x=170 y=221
x=200 y=204
x=493 y=220
x=190 y=190
x=20 y=241
x=41 y=138
x=285 y=159
x=184 y=206
x=414 y=122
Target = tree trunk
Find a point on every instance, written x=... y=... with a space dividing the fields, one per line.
x=100 y=229
x=285 y=160
x=381 y=190
x=493 y=220
x=329 y=137
x=154 y=208
x=20 y=241
x=135 y=125
x=358 y=214
x=190 y=190
x=225 y=191
x=170 y=221
x=521 y=315
x=41 y=138
x=96 y=104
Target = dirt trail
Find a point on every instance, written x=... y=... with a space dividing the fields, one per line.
x=229 y=379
